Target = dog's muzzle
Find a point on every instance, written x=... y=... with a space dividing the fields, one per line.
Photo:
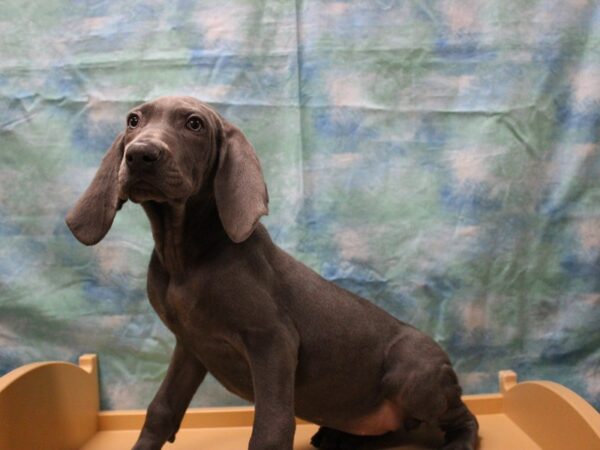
x=143 y=155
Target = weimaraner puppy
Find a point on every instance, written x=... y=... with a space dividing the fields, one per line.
x=270 y=329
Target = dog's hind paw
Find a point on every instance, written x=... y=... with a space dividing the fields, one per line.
x=458 y=446
x=328 y=438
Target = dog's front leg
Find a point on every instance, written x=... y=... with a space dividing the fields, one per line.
x=273 y=359
x=166 y=410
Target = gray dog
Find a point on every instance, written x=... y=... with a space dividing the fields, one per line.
x=270 y=329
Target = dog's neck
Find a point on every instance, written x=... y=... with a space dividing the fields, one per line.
x=184 y=230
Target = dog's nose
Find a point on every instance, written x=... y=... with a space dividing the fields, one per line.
x=142 y=154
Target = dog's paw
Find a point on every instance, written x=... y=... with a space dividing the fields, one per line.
x=147 y=444
x=328 y=438
x=458 y=446
x=466 y=439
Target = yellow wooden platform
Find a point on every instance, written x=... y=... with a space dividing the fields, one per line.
x=55 y=406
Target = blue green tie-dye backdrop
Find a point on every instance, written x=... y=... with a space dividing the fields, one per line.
x=438 y=157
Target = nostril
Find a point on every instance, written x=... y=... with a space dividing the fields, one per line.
x=128 y=157
x=150 y=157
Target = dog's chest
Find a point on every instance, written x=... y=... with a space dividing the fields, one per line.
x=167 y=300
x=196 y=325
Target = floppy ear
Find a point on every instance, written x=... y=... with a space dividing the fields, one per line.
x=93 y=214
x=240 y=190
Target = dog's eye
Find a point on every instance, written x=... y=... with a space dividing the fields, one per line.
x=194 y=123
x=133 y=120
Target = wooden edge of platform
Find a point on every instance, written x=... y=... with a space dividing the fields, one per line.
x=555 y=417
x=49 y=405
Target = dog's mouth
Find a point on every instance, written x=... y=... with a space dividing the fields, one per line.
x=141 y=190
x=162 y=186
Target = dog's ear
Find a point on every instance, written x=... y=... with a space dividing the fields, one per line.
x=240 y=190
x=93 y=214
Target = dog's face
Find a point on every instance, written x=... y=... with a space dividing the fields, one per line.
x=171 y=149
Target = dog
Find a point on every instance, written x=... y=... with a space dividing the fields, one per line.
x=269 y=328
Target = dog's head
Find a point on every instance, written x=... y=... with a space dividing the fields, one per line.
x=171 y=149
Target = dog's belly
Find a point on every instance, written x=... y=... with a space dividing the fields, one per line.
x=352 y=416
x=387 y=417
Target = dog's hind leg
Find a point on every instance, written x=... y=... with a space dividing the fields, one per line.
x=427 y=390
x=460 y=428
x=435 y=398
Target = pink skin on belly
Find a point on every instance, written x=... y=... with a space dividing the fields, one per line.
x=387 y=417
